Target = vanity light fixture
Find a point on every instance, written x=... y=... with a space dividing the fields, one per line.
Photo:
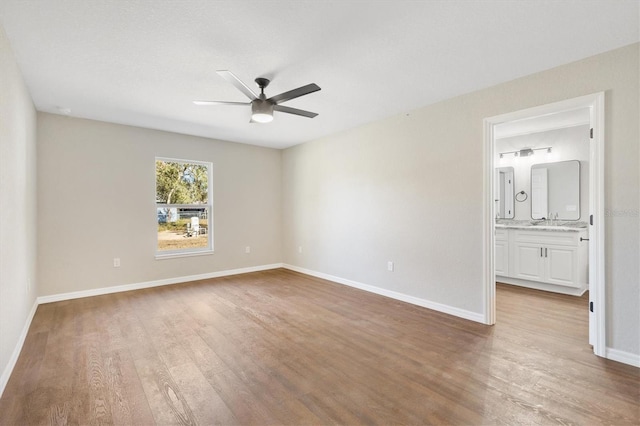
x=525 y=152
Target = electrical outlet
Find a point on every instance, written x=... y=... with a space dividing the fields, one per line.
x=390 y=266
x=299 y=249
x=247 y=249
x=116 y=262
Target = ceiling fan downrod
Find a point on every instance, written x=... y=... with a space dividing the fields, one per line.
x=262 y=83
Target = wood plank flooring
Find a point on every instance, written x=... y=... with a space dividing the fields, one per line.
x=282 y=348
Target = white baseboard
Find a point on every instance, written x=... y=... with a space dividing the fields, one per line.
x=156 y=283
x=623 y=357
x=4 y=379
x=461 y=313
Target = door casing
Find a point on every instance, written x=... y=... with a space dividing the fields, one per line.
x=597 y=285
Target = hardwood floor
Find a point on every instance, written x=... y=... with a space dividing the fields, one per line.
x=278 y=347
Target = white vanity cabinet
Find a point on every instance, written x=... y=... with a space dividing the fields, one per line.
x=502 y=252
x=546 y=259
x=528 y=263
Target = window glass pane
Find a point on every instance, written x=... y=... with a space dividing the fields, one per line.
x=183 y=210
x=181 y=183
x=183 y=228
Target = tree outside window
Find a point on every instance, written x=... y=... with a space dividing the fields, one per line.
x=183 y=207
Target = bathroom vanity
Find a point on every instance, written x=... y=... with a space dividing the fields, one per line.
x=549 y=249
x=543 y=256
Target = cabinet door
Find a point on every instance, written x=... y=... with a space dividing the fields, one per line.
x=502 y=258
x=528 y=263
x=561 y=265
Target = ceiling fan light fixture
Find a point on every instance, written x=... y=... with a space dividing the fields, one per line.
x=261 y=106
x=262 y=118
x=261 y=111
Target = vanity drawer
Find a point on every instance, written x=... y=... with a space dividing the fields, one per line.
x=502 y=234
x=565 y=238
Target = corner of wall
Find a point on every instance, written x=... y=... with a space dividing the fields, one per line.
x=17 y=224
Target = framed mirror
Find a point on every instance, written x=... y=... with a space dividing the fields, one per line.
x=504 y=193
x=555 y=189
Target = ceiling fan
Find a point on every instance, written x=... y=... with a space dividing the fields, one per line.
x=262 y=107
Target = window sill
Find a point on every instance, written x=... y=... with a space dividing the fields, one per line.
x=189 y=254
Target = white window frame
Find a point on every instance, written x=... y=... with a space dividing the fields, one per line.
x=187 y=252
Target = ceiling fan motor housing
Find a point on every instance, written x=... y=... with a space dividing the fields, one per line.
x=261 y=110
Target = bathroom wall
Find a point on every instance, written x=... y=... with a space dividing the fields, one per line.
x=571 y=143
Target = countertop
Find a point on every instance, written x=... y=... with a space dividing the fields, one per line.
x=541 y=225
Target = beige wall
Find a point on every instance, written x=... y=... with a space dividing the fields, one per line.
x=17 y=206
x=96 y=200
x=409 y=189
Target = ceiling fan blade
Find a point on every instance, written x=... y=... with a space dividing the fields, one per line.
x=220 y=103
x=294 y=111
x=231 y=78
x=295 y=93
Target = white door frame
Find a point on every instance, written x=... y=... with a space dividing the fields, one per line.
x=595 y=103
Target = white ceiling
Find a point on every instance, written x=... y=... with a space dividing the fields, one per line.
x=143 y=62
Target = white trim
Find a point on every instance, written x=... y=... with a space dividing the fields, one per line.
x=544 y=129
x=175 y=254
x=623 y=357
x=488 y=228
x=209 y=207
x=156 y=283
x=547 y=109
x=6 y=374
x=596 y=233
x=461 y=313
x=597 y=280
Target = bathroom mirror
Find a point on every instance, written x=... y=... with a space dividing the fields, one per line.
x=504 y=193
x=555 y=189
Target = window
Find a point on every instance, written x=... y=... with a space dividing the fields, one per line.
x=183 y=207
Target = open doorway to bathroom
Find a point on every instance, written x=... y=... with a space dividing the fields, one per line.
x=543 y=209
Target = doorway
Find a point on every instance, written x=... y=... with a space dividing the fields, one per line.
x=594 y=104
